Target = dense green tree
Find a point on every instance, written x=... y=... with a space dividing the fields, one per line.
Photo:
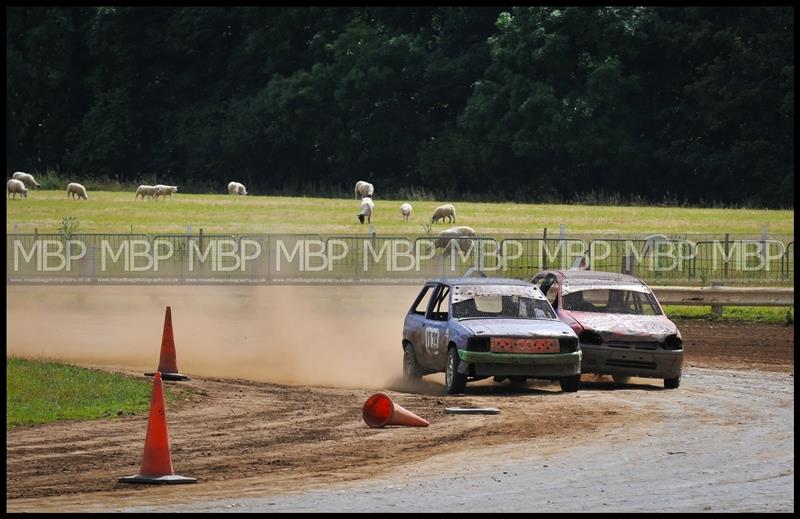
x=722 y=104
x=46 y=95
x=555 y=101
x=522 y=103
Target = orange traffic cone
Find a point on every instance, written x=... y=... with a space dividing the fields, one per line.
x=156 y=463
x=379 y=410
x=168 y=364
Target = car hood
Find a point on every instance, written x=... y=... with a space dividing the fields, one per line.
x=517 y=327
x=626 y=327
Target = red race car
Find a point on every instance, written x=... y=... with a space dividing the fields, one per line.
x=620 y=324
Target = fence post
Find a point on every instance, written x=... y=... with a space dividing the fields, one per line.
x=356 y=259
x=544 y=244
x=627 y=263
x=628 y=259
x=266 y=255
x=785 y=263
x=93 y=256
x=716 y=310
x=727 y=256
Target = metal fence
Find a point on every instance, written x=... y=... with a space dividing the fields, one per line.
x=717 y=297
x=313 y=258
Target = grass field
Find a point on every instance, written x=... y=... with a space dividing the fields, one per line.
x=48 y=391
x=751 y=314
x=117 y=212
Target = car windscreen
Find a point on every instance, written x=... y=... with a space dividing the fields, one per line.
x=611 y=301
x=496 y=306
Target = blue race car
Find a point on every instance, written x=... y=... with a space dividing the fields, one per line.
x=474 y=328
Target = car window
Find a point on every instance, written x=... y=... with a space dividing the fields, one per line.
x=644 y=304
x=424 y=297
x=440 y=310
x=489 y=306
x=610 y=301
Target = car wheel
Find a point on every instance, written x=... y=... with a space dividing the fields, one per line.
x=411 y=369
x=454 y=381
x=672 y=383
x=570 y=384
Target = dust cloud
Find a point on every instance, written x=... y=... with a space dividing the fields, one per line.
x=336 y=336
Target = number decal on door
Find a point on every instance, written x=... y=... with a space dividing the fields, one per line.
x=432 y=340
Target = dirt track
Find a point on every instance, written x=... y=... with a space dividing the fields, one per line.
x=246 y=440
x=738 y=345
x=724 y=442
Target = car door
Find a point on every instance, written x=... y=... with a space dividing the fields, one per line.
x=416 y=319
x=436 y=327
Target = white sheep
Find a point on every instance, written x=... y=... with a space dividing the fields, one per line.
x=162 y=190
x=236 y=188
x=15 y=186
x=367 y=206
x=405 y=210
x=74 y=189
x=145 y=191
x=26 y=179
x=446 y=239
x=444 y=211
x=364 y=189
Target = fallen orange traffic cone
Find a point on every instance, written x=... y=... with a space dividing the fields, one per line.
x=168 y=364
x=156 y=463
x=379 y=410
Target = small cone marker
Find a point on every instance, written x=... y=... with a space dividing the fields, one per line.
x=156 y=462
x=379 y=410
x=168 y=364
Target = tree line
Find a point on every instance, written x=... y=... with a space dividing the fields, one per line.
x=694 y=104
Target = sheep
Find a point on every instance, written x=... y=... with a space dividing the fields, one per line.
x=15 y=186
x=145 y=190
x=445 y=240
x=26 y=179
x=364 y=189
x=162 y=190
x=367 y=206
x=236 y=188
x=405 y=210
x=444 y=211
x=74 y=189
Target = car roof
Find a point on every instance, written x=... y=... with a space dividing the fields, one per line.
x=572 y=280
x=479 y=281
x=589 y=276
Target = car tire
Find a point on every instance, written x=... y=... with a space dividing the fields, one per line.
x=672 y=383
x=412 y=371
x=454 y=381
x=570 y=384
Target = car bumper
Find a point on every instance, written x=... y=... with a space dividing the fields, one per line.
x=603 y=360
x=531 y=365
